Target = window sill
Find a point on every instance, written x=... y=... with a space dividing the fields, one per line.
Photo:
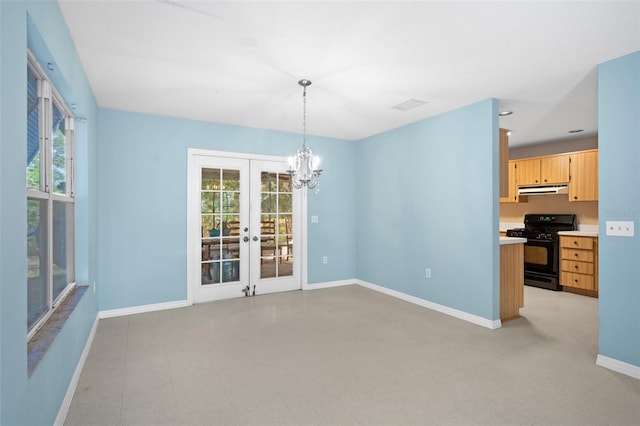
x=40 y=343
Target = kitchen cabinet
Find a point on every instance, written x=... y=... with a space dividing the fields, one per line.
x=577 y=169
x=549 y=170
x=511 y=280
x=503 y=162
x=512 y=196
x=528 y=172
x=579 y=264
x=583 y=183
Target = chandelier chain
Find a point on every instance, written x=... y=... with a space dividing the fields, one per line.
x=304 y=115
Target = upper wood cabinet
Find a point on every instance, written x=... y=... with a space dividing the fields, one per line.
x=578 y=169
x=503 y=163
x=550 y=170
x=583 y=185
x=554 y=169
x=528 y=172
x=512 y=196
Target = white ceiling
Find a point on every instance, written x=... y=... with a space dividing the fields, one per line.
x=239 y=62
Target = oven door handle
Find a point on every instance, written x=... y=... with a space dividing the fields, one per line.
x=546 y=242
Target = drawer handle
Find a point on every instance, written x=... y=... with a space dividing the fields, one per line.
x=576 y=254
x=575 y=242
x=576 y=280
x=576 y=266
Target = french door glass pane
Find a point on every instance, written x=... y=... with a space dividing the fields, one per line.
x=276 y=228
x=220 y=224
x=62 y=246
x=37 y=297
x=59 y=151
x=33 y=132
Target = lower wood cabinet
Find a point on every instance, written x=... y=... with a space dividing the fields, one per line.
x=511 y=281
x=579 y=264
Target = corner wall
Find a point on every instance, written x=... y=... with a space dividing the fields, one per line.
x=427 y=198
x=39 y=25
x=143 y=202
x=619 y=165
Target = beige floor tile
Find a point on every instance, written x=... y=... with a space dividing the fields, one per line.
x=351 y=356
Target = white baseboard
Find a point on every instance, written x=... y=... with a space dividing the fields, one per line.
x=618 y=366
x=73 y=384
x=434 y=306
x=329 y=284
x=142 y=309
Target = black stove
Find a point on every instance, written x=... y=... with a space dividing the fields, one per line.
x=542 y=249
x=544 y=226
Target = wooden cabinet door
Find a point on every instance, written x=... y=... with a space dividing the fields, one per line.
x=512 y=196
x=583 y=243
x=583 y=184
x=528 y=172
x=585 y=282
x=554 y=169
x=504 y=163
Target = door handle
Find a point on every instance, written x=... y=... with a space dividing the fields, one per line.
x=255 y=238
x=245 y=239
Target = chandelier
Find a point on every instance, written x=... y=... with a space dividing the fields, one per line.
x=303 y=167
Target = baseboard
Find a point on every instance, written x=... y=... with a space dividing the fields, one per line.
x=618 y=366
x=142 y=309
x=73 y=384
x=434 y=306
x=329 y=284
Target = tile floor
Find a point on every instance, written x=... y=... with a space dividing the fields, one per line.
x=351 y=356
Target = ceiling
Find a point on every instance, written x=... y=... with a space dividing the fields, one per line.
x=239 y=62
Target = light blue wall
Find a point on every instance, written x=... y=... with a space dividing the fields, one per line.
x=143 y=198
x=619 y=193
x=36 y=400
x=427 y=198
x=424 y=195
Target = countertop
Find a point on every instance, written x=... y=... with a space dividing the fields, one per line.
x=579 y=233
x=512 y=240
x=583 y=230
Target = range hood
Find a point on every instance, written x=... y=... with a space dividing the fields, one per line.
x=543 y=190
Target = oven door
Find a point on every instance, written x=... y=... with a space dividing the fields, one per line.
x=541 y=256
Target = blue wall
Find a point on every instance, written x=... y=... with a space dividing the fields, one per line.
x=427 y=198
x=143 y=202
x=619 y=174
x=39 y=25
x=424 y=195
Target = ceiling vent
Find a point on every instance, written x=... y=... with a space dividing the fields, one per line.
x=410 y=104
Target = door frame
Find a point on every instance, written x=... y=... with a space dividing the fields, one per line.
x=193 y=225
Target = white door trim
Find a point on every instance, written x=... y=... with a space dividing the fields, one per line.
x=193 y=225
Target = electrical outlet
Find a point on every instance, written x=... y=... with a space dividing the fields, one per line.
x=620 y=228
x=428 y=272
x=314 y=219
x=325 y=260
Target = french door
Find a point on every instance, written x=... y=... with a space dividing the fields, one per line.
x=244 y=226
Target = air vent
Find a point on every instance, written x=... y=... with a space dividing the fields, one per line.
x=410 y=104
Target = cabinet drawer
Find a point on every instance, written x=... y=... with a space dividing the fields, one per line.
x=585 y=282
x=577 y=267
x=581 y=255
x=585 y=243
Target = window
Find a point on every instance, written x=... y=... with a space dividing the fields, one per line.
x=50 y=199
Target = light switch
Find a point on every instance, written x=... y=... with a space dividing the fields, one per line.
x=314 y=219
x=620 y=228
